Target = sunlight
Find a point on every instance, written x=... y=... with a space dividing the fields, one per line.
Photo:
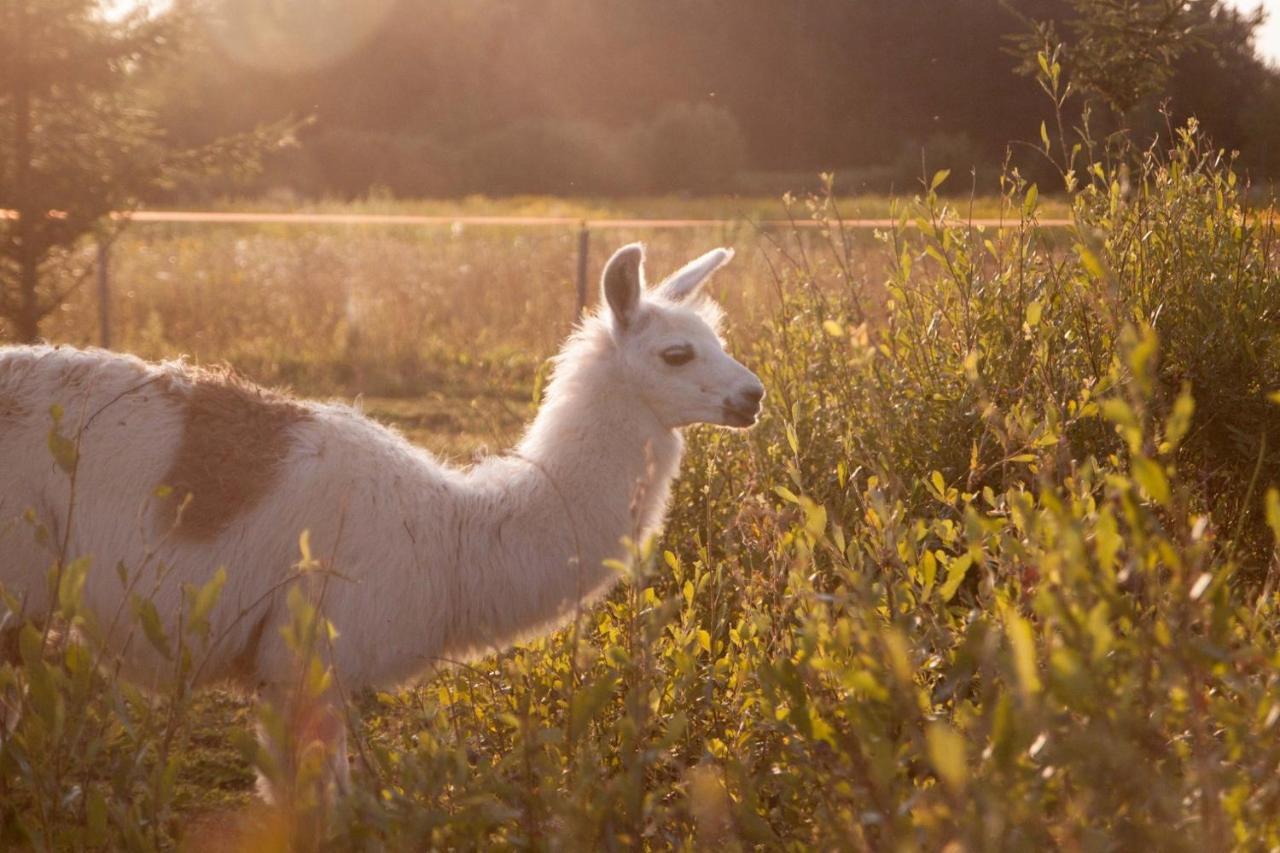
x=1268 y=35
x=295 y=35
x=118 y=10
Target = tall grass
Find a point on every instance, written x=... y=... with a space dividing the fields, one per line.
x=996 y=571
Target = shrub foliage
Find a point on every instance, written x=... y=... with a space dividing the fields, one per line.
x=996 y=570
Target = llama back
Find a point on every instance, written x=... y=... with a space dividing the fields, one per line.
x=158 y=483
x=123 y=413
x=183 y=471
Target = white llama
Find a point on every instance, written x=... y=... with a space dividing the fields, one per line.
x=431 y=563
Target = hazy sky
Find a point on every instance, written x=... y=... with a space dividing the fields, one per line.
x=1269 y=35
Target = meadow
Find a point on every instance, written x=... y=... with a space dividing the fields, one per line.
x=996 y=571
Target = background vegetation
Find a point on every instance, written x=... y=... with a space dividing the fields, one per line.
x=584 y=97
x=996 y=571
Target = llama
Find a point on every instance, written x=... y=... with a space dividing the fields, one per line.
x=431 y=563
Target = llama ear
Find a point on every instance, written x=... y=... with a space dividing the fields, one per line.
x=622 y=283
x=684 y=282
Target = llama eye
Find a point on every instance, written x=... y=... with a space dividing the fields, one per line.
x=676 y=356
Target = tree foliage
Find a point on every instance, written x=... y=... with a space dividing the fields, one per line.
x=79 y=140
x=860 y=86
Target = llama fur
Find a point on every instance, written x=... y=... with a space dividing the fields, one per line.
x=429 y=563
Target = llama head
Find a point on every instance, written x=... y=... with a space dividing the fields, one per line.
x=668 y=346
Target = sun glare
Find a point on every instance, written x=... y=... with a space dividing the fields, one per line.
x=1268 y=35
x=296 y=35
x=118 y=10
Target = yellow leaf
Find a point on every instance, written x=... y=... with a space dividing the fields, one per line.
x=1151 y=477
x=1034 y=312
x=956 y=571
x=1022 y=644
x=947 y=755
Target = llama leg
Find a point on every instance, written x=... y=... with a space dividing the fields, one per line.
x=11 y=694
x=304 y=744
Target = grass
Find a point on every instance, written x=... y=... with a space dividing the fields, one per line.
x=997 y=570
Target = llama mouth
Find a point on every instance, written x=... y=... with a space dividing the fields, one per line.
x=742 y=418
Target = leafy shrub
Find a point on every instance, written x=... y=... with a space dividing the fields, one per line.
x=690 y=148
x=971 y=582
x=989 y=573
x=544 y=156
x=354 y=162
x=954 y=152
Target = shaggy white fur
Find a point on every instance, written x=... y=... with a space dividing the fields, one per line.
x=433 y=563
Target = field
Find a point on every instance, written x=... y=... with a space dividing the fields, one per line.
x=995 y=572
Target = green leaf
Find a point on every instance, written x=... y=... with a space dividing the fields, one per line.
x=947 y=755
x=1029 y=204
x=956 y=571
x=71 y=585
x=96 y=817
x=939 y=178
x=63 y=450
x=815 y=517
x=307 y=563
x=1090 y=261
x=1273 y=513
x=1151 y=477
x=1034 y=311
x=201 y=602
x=145 y=611
x=928 y=573
x=588 y=701
x=1107 y=540
x=1179 y=423
x=1022 y=644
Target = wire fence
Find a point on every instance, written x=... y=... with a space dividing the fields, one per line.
x=583 y=227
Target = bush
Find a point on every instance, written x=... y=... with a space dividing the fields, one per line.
x=352 y=162
x=690 y=148
x=973 y=581
x=548 y=156
x=954 y=152
x=990 y=573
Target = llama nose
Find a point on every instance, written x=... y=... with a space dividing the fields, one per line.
x=754 y=395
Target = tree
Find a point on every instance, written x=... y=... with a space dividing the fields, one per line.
x=77 y=142
x=1118 y=52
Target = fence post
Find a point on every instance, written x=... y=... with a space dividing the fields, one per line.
x=584 y=243
x=104 y=294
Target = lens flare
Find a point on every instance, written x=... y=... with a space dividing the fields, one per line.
x=291 y=36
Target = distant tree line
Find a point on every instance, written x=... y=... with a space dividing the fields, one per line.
x=446 y=97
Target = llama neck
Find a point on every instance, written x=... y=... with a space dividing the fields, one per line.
x=594 y=467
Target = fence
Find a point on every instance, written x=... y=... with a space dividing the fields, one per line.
x=583 y=226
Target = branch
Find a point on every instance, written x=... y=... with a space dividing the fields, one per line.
x=60 y=296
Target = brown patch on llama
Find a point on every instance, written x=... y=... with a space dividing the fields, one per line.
x=235 y=436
